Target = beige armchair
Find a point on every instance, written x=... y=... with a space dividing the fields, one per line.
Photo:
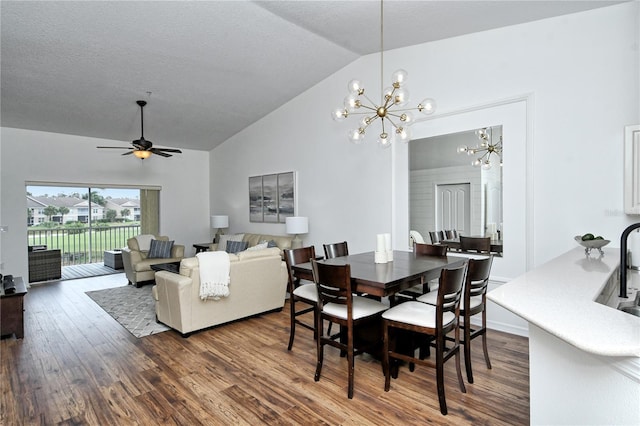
x=137 y=264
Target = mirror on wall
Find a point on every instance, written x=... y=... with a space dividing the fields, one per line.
x=447 y=192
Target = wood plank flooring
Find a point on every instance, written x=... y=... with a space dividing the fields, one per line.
x=77 y=365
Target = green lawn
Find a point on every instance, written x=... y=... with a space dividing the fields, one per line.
x=76 y=242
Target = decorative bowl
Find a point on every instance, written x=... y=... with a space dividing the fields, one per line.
x=591 y=244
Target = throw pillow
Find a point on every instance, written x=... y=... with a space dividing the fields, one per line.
x=222 y=243
x=160 y=249
x=236 y=246
x=272 y=243
x=260 y=246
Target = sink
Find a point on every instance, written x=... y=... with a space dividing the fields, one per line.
x=633 y=307
x=633 y=310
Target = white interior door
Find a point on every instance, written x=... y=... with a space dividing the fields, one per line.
x=453 y=207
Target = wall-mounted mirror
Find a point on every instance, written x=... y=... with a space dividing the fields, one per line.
x=447 y=192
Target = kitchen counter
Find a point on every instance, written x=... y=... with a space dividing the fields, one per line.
x=560 y=298
x=584 y=354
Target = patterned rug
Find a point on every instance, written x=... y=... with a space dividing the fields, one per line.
x=133 y=308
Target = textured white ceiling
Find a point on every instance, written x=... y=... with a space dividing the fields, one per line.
x=212 y=67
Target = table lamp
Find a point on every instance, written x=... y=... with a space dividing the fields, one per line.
x=297 y=225
x=219 y=222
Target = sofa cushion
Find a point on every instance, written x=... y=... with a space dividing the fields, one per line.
x=253 y=254
x=222 y=243
x=236 y=246
x=144 y=241
x=260 y=246
x=160 y=249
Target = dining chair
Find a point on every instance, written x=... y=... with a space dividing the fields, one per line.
x=474 y=301
x=336 y=250
x=477 y=244
x=300 y=292
x=436 y=323
x=424 y=286
x=435 y=237
x=337 y=304
x=416 y=237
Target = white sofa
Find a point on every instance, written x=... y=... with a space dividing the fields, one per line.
x=258 y=284
x=282 y=241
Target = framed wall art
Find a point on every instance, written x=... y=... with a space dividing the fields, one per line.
x=272 y=197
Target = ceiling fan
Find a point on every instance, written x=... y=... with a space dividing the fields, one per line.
x=143 y=148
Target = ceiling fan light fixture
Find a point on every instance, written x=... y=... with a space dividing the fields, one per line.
x=142 y=154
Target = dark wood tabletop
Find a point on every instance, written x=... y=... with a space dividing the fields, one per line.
x=386 y=279
x=496 y=245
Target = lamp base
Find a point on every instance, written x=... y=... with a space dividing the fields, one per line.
x=296 y=242
x=216 y=238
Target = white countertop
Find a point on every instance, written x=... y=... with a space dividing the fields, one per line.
x=560 y=295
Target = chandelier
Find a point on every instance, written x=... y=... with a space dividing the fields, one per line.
x=486 y=149
x=392 y=112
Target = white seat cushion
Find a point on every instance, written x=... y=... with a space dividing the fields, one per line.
x=417 y=313
x=362 y=307
x=307 y=291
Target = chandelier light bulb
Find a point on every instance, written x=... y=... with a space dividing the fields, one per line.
x=339 y=114
x=356 y=135
x=351 y=102
x=399 y=76
x=486 y=165
x=476 y=162
x=427 y=106
x=462 y=149
x=354 y=86
x=401 y=97
x=407 y=118
x=384 y=140
x=404 y=133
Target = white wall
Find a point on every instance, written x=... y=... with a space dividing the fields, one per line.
x=50 y=157
x=581 y=71
x=577 y=81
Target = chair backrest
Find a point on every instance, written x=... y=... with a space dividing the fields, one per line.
x=477 y=282
x=429 y=250
x=479 y=244
x=435 y=238
x=294 y=257
x=450 y=288
x=416 y=237
x=441 y=235
x=336 y=250
x=334 y=285
x=451 y=234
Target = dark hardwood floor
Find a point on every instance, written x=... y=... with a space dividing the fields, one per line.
x=77 y=365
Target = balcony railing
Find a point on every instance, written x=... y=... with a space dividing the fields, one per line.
x=82 y=245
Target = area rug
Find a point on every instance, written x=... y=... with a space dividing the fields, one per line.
x=133 y=308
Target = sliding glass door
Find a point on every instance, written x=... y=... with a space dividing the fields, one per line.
x=84 y=222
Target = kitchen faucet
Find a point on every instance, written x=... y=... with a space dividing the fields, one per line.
x=623 y=258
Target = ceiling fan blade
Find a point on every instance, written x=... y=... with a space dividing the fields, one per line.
x=160 y=153
x=168 y=150
x=130 y=152
x=114 y=147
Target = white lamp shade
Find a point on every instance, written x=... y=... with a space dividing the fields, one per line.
x=297 y=225
x=219 y=221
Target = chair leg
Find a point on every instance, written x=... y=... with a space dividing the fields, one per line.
x=292 y=326
x=440 y=375
x=385 y=357
x=459 y=371
x=319 y=348
x=484 y=340
x=467 y=349
x=350 y=362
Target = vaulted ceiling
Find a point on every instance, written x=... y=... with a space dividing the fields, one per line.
x=208 y=69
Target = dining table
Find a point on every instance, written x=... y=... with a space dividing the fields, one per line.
x=454 y=244
x=386 y=279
